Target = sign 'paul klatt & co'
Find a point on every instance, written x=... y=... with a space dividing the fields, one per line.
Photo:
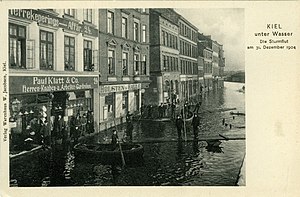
x=52 y=20
x=35 y=84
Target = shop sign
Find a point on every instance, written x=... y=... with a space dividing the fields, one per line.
x=119 y=88
x=43 y=18
x=35 y=84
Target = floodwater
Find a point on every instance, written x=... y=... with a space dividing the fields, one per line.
x=166 y=160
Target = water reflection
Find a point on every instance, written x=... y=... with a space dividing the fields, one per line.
x=166 y=163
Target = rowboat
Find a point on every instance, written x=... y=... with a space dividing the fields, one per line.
x=109 y=154
x=156 y=119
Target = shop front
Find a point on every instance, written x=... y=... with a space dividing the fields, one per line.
x=44 y=109
x=116 y=101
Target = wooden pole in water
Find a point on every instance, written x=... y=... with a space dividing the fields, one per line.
x=122 y=155
x=184 y=125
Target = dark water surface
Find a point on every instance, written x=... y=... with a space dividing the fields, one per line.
x=165 y=163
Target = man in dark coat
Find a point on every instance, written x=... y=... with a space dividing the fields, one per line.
x=195 y=123
x=197 y=107
x=129 y=130
x=179 y=126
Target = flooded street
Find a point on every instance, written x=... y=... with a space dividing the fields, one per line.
x=166 y=160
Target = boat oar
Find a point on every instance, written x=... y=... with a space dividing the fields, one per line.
x=122 y=155
x=226 y=138
x=120 y=147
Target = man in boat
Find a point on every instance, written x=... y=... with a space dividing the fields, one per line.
x=195 y=123
x=197 y=107
x=179 y=126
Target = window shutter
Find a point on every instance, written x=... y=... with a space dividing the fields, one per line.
x=30 y=54
x=95 y=59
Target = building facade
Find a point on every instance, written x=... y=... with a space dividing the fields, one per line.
x=53 y=67
x=124 y=63
x=188 y=38
x=174 y=53
x=164 y=57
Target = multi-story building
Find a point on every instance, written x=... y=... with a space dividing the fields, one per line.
x=164 y=57
x=218 y=64
x=205 y=51
x=188 y=38
x=53 y=67
x=124 y=62
x=221 y=67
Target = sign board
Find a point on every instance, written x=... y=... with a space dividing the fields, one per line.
x=119 y=88
x=36 y=84
x=46 y=18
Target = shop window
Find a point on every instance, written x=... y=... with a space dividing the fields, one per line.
x=124 y=27
x=79 y=102
x=88 y=15
x=125 y=63
x=27 y=112
x=111 y=62
x=17 y=46
x=88 y=56
x=109 y=102
x=69 y=53
x=46 y=50
x=110 y=22
x=125 y=101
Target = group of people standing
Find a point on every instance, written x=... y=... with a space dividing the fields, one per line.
x=186 y=112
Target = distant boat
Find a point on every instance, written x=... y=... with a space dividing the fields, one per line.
x=108 y=154
x=213 y=142
x=242 y=89
x=237 y=113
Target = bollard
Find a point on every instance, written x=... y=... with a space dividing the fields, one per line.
x=230 y=126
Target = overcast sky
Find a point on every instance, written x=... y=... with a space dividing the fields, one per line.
x=225 y=26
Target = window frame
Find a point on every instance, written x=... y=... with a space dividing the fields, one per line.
x=136 y=62
x=19 y=52
x=124 y=27
x=144 y=33
x=110 y=22
x=125 y=60
x=136 y=31
x=70 y=12
x=88 y=15
x=69 y=46
x=47 y=42
x=111 y=62
x=88 y=64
